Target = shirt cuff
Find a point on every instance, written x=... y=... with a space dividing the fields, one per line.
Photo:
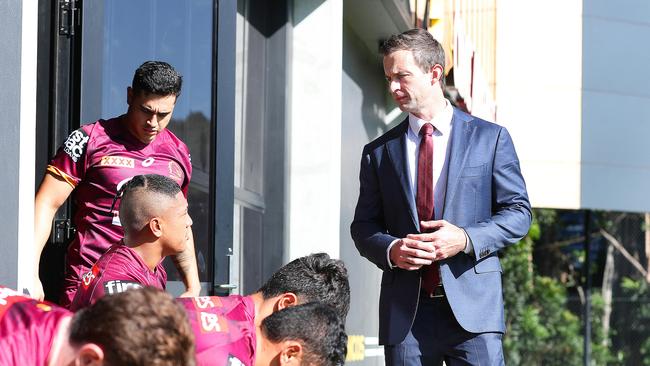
x=469 y=247
x=390 y=265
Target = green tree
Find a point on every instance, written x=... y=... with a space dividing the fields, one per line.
x=541 y=330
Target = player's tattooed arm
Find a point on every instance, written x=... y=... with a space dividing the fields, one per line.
x=186 y=264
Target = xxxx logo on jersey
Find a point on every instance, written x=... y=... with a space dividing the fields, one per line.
x=117 y=161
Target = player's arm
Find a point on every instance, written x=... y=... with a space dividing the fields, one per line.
x=52 y=193
x=186 y=264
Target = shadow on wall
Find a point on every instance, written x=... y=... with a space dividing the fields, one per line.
x=364 y=67
x=303 y=8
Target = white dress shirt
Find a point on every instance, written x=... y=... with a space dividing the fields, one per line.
x=442 y=124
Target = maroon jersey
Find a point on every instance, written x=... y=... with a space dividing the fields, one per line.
x=224 y=329
x=97 y=159
x=27 y=328
x=118 y=270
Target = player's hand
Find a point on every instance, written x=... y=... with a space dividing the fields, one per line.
x=447 y=239
x=411 y=254
x=36 y=289
x=191 y=292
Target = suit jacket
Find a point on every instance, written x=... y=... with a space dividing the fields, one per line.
x=485 y=194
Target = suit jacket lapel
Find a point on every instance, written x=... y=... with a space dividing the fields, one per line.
x=460 y=142
x=396 y=149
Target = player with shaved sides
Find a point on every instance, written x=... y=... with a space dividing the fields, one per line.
x=156 y=223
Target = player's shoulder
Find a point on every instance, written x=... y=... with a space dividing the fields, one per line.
x=169 y=138
x=115 y=258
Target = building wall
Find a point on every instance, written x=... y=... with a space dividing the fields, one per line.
x=314 y=127
x=363 y=110
x=539 y=93
x=615 y=166
x=10 y=44
x=18 y=40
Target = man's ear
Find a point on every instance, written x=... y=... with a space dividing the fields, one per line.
x=286 y=299
x=436 y=73
x=291 y=353
x=89 y=354
x=156 y=226
x=129 y=95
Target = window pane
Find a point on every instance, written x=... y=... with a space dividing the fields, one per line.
x=119 y=35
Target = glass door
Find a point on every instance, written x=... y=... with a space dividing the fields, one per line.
x=118 y=36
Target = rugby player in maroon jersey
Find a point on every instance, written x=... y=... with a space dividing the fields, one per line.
x=156 y=224
x=225 y=328
x=97 y=159
x=42 y=334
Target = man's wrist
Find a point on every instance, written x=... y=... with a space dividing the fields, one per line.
x=469 y=246
x=390 y=246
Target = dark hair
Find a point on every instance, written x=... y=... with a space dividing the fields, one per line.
x=316 y=277
x=157 y=77
x=136 y=327
x=427 y=52
x=137 y=204
x=316 y=326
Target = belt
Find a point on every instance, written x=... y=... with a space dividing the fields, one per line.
x=438 y=292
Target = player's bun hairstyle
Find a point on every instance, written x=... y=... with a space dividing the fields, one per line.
x=316 y=326
x=316 y=277
x=136 y=327
x=157 y=77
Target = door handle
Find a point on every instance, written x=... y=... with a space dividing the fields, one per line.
x=227 y=286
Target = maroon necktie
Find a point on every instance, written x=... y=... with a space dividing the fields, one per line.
x=424 y=199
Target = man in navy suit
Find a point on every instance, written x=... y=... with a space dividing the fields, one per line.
x=440 y=195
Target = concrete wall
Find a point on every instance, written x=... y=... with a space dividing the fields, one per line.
x=538 y=94
x=18 y=40
x=363 y=111
x=616 y=105
x=315 y=128
x=10 y=44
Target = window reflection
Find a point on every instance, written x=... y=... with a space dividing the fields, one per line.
x=119 y=35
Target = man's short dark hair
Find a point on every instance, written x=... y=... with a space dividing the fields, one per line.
x=157 y=77
x=316 y=277
x=316 y=326
x=427 y=52
x=139 y=203
x=136 y=327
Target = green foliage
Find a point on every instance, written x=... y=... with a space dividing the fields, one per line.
x=540 y=328
x=635 y=350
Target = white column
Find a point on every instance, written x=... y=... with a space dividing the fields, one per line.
x=26 y=156
x=314 y=128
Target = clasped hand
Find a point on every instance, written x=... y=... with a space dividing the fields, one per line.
x=439 y=240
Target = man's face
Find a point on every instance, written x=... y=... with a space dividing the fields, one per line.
x=177 y=223
x=148 y=114
x=409 y=86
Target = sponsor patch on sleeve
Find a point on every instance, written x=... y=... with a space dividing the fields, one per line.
x=207 y=302
x=117 y=286
x=75 y=145
x=212 y=323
